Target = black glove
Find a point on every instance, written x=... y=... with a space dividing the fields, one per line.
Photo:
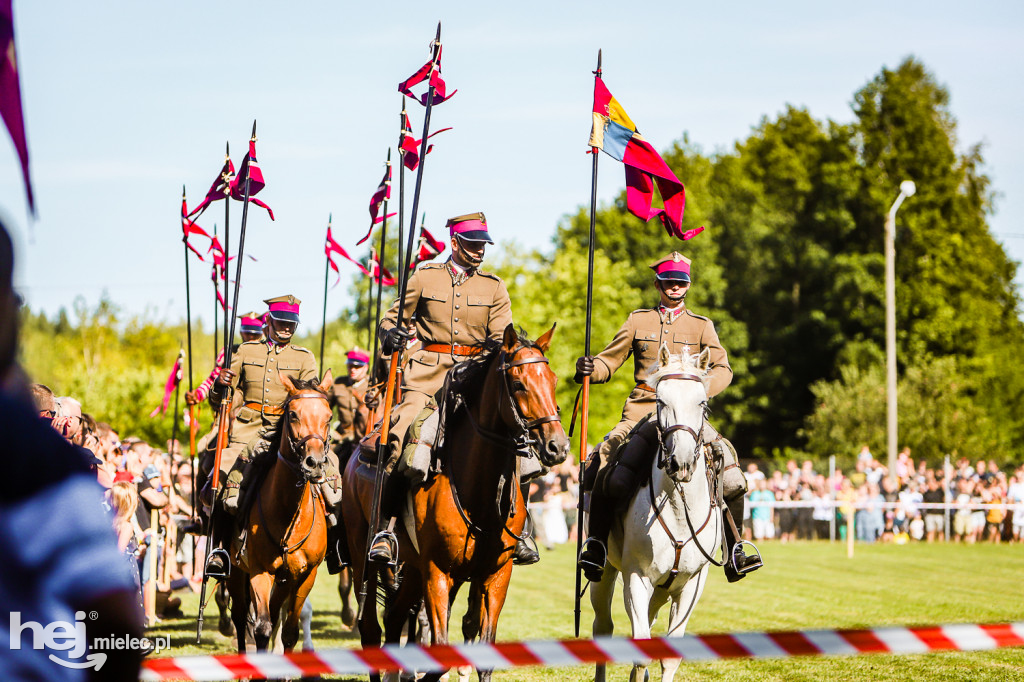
x=394 y=340
x=584 y=367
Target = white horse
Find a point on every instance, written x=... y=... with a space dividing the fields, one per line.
x=652 y=545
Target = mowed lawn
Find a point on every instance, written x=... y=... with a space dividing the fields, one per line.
x=803 y=585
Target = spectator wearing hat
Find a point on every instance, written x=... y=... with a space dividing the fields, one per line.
x=642 y=335
x=454 y=306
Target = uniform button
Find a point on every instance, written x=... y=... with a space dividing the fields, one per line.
x=456 y=331
x=268 y=378
x=456 y=307
x=457 y=294
x=456 y=319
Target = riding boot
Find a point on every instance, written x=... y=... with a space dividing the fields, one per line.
x=595 y=550
x=734 y=487
x=384 y=547
x=334 y=555
x=232 y=494
x=526 y=552
x=218 y=564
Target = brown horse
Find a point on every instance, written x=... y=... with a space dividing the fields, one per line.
x=286 y=525
x=462 y=524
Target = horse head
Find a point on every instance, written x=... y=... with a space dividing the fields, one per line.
x=532 y=408
x=680 y=384
x=307 y=420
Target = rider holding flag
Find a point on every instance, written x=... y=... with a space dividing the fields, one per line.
x=641 y=336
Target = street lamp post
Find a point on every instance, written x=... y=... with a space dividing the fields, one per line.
x=907 y=189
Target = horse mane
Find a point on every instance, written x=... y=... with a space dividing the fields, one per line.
x=466 y=376
x=300 y=385
x=683 y=362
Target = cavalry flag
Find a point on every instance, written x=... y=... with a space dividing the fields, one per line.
x=430 y=248
x=220 y=189
x=256 y=182
x=10 y=96
x=379 y=273
x=219 y=272
x=189 y=227
x=433 y=73
x=616 y=134
x=172 y=383
x=382 y=194
x=334 y=247
x=409 y=146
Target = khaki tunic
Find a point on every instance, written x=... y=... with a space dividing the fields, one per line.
x=257 y=366
x=347 y=397
x=443 y=313
x=641 y=336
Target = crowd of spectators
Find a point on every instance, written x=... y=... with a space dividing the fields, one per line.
x=148 y=493
x=802 y=503
x=553 y=500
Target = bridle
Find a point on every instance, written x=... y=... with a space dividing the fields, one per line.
x=664 y=433
x=296 y=446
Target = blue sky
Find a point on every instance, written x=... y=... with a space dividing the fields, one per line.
x=126 y=101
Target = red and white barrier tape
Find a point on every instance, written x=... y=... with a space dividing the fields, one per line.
x=891 y=640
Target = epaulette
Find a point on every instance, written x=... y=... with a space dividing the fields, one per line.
x=693 y=314
x=430 y=266
x=644 y=310
x=247 y=343
x=489 y=275
x=304 y=350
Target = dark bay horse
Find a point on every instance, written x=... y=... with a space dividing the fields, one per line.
x=461 y=524
x=286 y=524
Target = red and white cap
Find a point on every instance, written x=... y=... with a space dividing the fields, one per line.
x=674 y=267
x=283 y=308
x=471 y=227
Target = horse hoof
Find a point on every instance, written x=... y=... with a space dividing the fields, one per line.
x=348 y=617
x=225 y=626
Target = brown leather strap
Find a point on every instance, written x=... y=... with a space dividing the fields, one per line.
x=452 y=350
x=272 y=410
x=643 y=386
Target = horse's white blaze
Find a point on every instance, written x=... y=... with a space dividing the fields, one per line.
x=639 y=546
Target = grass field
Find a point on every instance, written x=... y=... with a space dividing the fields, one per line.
x=802 y=586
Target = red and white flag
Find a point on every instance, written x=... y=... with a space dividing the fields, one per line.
x=10 y=96
x=332 y=247
x=172 y=383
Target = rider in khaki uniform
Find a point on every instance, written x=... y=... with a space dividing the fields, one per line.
x=641 y=336
x=452 y=306
x=255 y=371
x=348 y=396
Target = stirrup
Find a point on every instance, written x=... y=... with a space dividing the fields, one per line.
x=225 y=561
x=592 y=569
x=384 y=548
x=751 y=562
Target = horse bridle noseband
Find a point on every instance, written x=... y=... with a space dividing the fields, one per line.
x=299 y=445
x=665 y=433
x=526 y=426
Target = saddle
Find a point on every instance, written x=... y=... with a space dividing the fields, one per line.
x=630 y=464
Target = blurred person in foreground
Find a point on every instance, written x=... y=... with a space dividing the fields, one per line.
x=61 y=565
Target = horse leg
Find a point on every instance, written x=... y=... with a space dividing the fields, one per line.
x=601 y=594
x=679 y=615
x=437 y=588
x=637 y=592
x=491 y=598
x=369 y=627
x=348 y=616
x=237 y=583
x=223 y=599
x=260 y=586
x=292 y=604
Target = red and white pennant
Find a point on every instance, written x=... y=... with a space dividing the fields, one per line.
x=891 y=640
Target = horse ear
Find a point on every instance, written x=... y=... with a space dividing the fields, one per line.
x=704 y=360
x=287 y=383
x=664 y=355
x=325 y=383
x=544 y=342
x=509 y=339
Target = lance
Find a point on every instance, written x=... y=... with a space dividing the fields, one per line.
x=401 y=199
x=216 y=306
x=227 y=246
x=191 y=408
x=380 y=263
x=396 y=356
x=225 y=405
x=323 y=326
x=585 y=391
x=369 y=300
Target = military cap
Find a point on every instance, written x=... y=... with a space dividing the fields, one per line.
x=673 y=267
x=252 y=323
x=357 y=357
x=283 y=308
x=471 y=227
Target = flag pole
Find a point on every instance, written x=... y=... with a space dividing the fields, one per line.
x=323 y=326
x=191 y=408
x=369 y=301
x=585 y=394
x=401 y=199
x=396 y=357
x=216 y=306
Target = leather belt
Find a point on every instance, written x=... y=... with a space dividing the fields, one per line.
x=452 y=350
x=644 y=387
x=273 y=410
